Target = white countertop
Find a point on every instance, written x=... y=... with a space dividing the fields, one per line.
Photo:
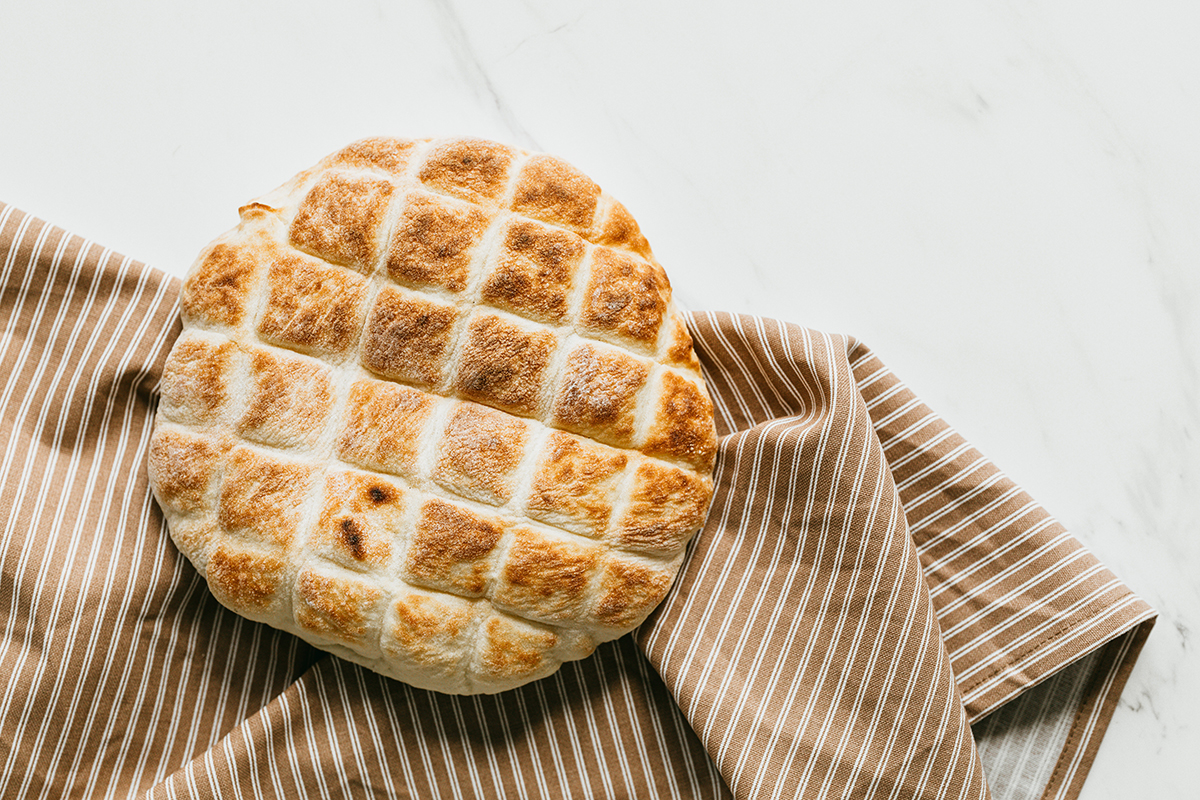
x=1002 y=199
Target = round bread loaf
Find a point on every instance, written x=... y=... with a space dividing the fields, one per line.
x=433 y=410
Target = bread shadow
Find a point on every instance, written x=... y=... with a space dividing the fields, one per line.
x=520 y=719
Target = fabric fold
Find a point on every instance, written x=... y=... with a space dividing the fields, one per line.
x=1018 y=598
x=603 y=727
x=865 y=588
x=820 y=669
x=114 y=654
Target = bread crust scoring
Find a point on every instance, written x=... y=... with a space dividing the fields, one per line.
x=434 y=411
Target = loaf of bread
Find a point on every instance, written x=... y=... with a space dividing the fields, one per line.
x=434 y=411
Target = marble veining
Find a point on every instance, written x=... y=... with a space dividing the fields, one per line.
x=1000 y=198
x=473 y=71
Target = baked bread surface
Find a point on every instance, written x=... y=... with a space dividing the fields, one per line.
x=434 y=411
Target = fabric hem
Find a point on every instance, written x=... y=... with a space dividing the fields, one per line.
x=998 y=696
x=1095 y=713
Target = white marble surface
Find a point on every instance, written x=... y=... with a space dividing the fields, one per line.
x=1002 y=198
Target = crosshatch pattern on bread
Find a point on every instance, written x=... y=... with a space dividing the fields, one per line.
x=434 y=411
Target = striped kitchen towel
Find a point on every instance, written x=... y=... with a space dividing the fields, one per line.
x=872 y=609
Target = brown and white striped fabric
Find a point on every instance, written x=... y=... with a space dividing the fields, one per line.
x=866 y=588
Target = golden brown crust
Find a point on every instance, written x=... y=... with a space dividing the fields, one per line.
x=683 y=424
x=479 y=452
x=246 y=581
x=182 y=467
x=380 y=152
x=512 y=649
x=534 y=270
x=473 y=169
x=624 y=296
x=261 y=497
x=429 y=630
x=503 y=364
x=341 y=217
x=666 y=505
x=361 y=515
x=289 y=403
x=545 y=578
x=195 y=380
x=598 y=393
x=408 y=338
x=434 y=242
x=619 y=229
x=451 y=548
x=575 y=483
x=334 y=607
x=629 y=591
x=382 y=426
x=550 y=189
x=680 y=352
x=311 y=306
x=217 y=290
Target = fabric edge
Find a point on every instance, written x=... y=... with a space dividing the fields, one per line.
x=1037 y=662
x=1096 y=711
